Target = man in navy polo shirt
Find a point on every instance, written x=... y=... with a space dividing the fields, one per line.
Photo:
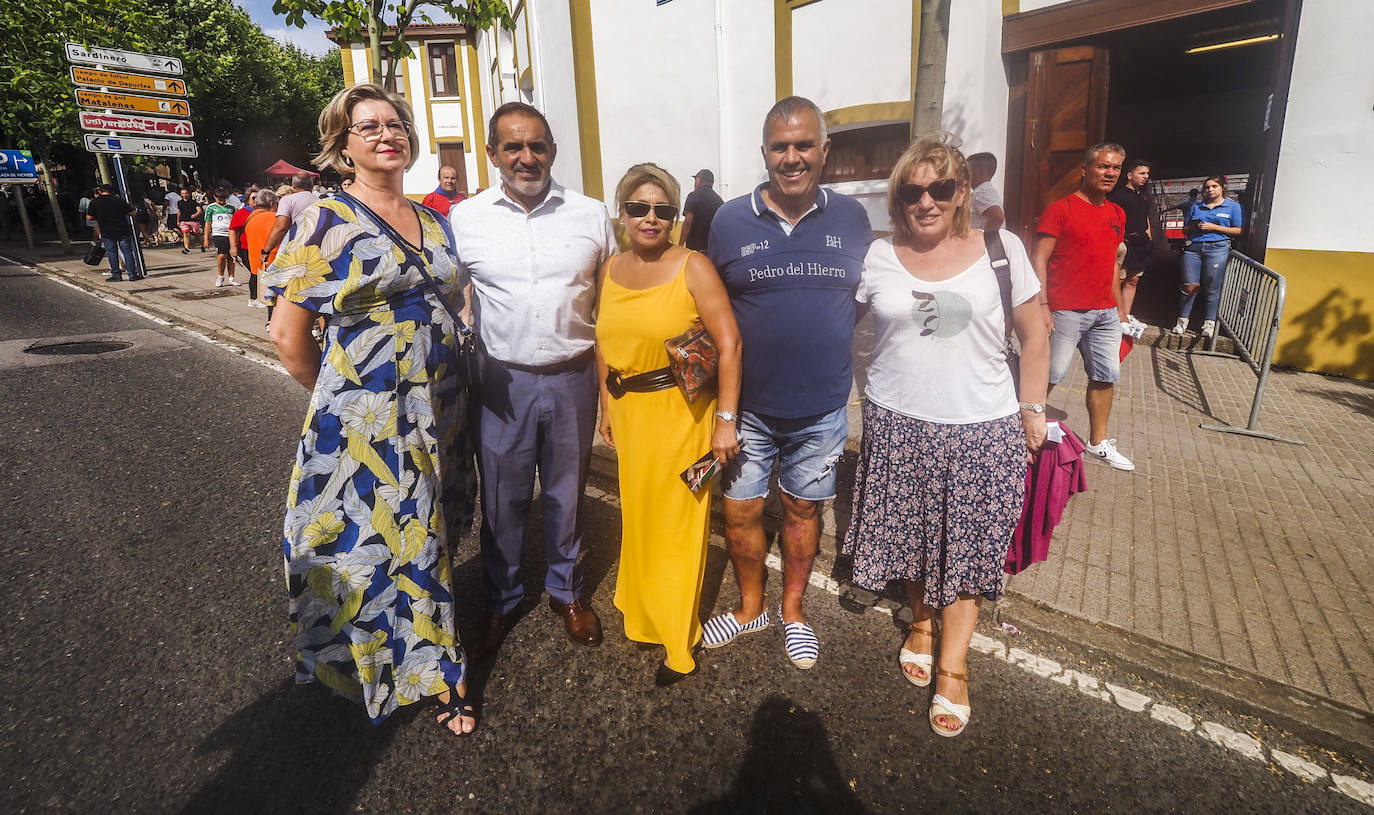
x=791 y=254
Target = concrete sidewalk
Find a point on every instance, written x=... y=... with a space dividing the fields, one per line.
x=1240 y=565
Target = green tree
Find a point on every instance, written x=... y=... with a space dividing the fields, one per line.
x=381 y=20
x=38 y=109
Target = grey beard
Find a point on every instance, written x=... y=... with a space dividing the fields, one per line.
x=529 y=189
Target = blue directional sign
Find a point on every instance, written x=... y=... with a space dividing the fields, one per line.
x=17 y=167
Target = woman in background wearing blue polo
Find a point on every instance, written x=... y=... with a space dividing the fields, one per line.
x=1211 y=224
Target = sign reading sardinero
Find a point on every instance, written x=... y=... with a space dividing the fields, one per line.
x=140 y=146
x=149 y=125
x=115 y=58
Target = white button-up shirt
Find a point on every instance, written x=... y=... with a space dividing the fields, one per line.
x=533 y=273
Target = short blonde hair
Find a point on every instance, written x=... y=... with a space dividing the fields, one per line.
x=945 y=159
x=647 y=173
x=337 y=116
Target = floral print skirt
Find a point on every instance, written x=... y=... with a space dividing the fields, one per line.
x=936 y=504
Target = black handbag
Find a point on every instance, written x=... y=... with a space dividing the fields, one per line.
x=94 y=254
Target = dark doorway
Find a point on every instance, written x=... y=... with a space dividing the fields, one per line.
x=451 y=155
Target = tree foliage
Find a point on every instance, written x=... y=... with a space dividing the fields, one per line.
x=383 y=23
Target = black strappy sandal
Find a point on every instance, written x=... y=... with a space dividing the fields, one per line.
x=455 y=706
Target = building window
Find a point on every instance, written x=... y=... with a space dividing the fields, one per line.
x=399 y=85
x=867 y=153
x=443 y=69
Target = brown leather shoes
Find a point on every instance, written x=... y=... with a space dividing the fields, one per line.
x=582 y=623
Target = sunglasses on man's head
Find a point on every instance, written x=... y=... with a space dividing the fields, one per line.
x=638 y=209
x=942 y=190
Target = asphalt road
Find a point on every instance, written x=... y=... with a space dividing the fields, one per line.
x=146 y=667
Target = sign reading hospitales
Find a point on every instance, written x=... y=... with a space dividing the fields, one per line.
x=17 y=167
x=128 y=101
x=119 y=80
x=146 y=125
x=140 y=146
x=115 y=58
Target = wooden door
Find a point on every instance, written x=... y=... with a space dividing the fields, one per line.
x=451 y=155
x=1065 y=95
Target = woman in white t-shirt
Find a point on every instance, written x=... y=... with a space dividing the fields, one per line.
x=942 y=468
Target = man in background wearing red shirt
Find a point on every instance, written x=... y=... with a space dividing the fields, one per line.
x=443 y=199
x=1075 y=259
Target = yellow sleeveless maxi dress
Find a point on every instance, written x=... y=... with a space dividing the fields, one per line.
x=657 y=435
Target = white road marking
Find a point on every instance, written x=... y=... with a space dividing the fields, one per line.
x=1244 y=744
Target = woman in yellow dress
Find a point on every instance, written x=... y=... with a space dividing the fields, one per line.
x=647 y=295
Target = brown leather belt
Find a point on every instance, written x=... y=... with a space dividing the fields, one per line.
x=648 y=382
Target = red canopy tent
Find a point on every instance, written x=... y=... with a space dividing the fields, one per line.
x=282 y=169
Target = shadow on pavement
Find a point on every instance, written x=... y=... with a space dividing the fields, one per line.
x=1174 y=372
x=296 y=749
x=789 y=767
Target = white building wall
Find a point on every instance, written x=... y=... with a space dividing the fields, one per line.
x=657 y=96
x=1327 y=132
x=855 y=52
x=555 y=91
x=747 y=86
x=975 y=104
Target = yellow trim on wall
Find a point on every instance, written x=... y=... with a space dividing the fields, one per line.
x=347 y=54
x=1010 y=7
x=876 y=112
x=1329 y=310
x=584 y=79
x=529 y=49
x=424 y=88
x=474 y=107
x=915 y=52
x=782 y=48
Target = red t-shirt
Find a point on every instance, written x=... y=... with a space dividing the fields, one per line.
x=240 y=218
x=1080 y=269
x=442 y=203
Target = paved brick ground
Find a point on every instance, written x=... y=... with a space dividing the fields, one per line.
x=1253 y=553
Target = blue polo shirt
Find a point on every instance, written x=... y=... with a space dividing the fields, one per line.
x=1225 y=212
x=793 y=296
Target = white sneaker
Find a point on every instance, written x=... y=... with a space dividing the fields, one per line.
x=1209 y=328
x=233 y=281
x=1181 y=327
x=256 y=304
x=1106 y=451
x=1133 y=320
x=219 y=281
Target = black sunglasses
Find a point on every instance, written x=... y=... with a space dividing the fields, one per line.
x=638 y=209
x=942 y=190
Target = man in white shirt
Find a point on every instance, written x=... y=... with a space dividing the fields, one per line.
x=533 y=247
x=985 y=206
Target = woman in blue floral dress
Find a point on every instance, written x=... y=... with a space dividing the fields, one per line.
x=384 y=481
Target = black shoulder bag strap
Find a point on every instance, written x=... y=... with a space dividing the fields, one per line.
x=467 y=342
x=997 y=256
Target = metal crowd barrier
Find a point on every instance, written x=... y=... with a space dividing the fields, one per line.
x=1252 y=297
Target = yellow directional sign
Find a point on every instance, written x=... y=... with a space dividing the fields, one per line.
x=126 y=101
x=132 y=82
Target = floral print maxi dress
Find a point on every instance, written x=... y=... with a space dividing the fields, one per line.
x=384 y=480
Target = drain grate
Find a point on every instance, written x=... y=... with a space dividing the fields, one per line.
x=206 y=294
x=153 y=288
x=77 y=348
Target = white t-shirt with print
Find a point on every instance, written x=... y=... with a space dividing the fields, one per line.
x=940 y=350
x=985 y=197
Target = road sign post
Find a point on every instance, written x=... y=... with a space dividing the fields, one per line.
x=24 y=217
x=135 y=243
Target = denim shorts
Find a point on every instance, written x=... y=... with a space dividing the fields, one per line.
x=1096 y=333
x=806 y=449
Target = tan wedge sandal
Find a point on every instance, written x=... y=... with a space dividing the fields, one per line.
x=923 y=662
x=940 y=706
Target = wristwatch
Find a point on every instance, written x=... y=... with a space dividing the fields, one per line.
x=726 y=415
x=1033 y=407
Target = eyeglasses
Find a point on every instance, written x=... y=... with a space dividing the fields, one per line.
x=942 y=190
x=372 y=131
x=638 y=209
